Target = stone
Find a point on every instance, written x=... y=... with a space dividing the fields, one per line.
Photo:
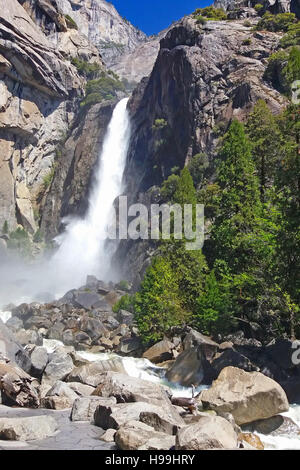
x=56 y=403
x=134 y=434
x=115 y=416
x=130 y=389
x=108 y=435
x=252 y=439
x=125 y=318
x=17 y=386
x=11 y=349
x=162 y=422
x=276 y=426
x=27 y=429
x=88 y=300
x=92 y=373
x=230 y=357
x=81 y=390
x=129 y=346
x=248 y=396
x=62 y=389
x=84 y=408
x=39 y=360
x=160 y=352
x=25 y=337
x=210 y=432
x=192 y=366
x=59 y=366
x=159 y=442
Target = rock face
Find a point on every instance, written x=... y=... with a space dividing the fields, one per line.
x=274 y=6
x=38 y=88
x=248 y=396
x=203 y=77
x=210 y=432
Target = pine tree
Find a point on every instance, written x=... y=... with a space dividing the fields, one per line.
x=265 y=138
x=185 y=192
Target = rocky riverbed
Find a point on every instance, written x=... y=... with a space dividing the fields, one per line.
x=75 y=375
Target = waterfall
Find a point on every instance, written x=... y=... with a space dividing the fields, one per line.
x=82 y=247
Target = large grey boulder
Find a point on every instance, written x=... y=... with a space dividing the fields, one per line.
x=92 y=374
x=115 y=416
x=59 y=366
x=10 y=348
x=160 y=352
x=248 y=396
x=27 y=429
x=210 y=432
x=192 y=366
x=39 y=361
x=134 y=435
x=84 y=408
x=130 y=389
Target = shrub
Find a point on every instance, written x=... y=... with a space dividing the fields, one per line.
x=210 y=13
x=47 y=180
x=247 y=24
x=126 y=302
x=292 y=37
x=246 y=42
x=86 y=69
x=70 y=22
x=259 y=8
x=159 y=124
x=38 y=236
x=197 y=167
x=283 y=69
x=104 y=88
x=200 y=20
x=275 y=23
x=19 y=241
x=123 y=285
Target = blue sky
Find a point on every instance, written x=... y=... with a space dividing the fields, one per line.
x=152 y=16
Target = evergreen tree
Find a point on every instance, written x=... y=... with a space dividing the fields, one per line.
x=265 y=137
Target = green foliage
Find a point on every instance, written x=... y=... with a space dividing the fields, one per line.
x=159 y=124
x=292 y=37
x=247 y=23
x=246 y=42
x=210 y=13
x=265 y=137
x=274 y=70
x=89 y=70
x=259 y=8
x=19 y=241
x=5 y=228
x=197 y=168
x=169 y=187
x=104 y=88
x=70 y=22
x=280 y=22
x=125 y=303
x=38 y=236
x=200 y=20
x=123 y=285
x=185 y=192
x=157 y=304
x=291 y=71
x=48 y=178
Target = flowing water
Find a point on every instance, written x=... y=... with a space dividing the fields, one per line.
x=83 y=247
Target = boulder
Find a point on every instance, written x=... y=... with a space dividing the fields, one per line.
x=252 y=439
x=56 y=403
x=39 y=360
x=130 y=345
x=10 y=348
x=248 y=396
x=109 y=435
x=230 y=357
x=192 y=366
x=62 y=389
x=92 y=373
x=134 y=435
x=276 y=426
x=16 y=386
x=115 y=416
x=159 y=442
x=130 y=389
x=210 y=432
x=27 y=429
x=81 y=390
x=160 y=352
x=59 y=366
x=162 y=421
x=125 y=318
x=84 y=408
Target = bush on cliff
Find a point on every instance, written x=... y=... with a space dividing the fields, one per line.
x=276 y=23
x=104 y=88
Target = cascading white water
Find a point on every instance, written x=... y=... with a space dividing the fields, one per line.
x=82 y=248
